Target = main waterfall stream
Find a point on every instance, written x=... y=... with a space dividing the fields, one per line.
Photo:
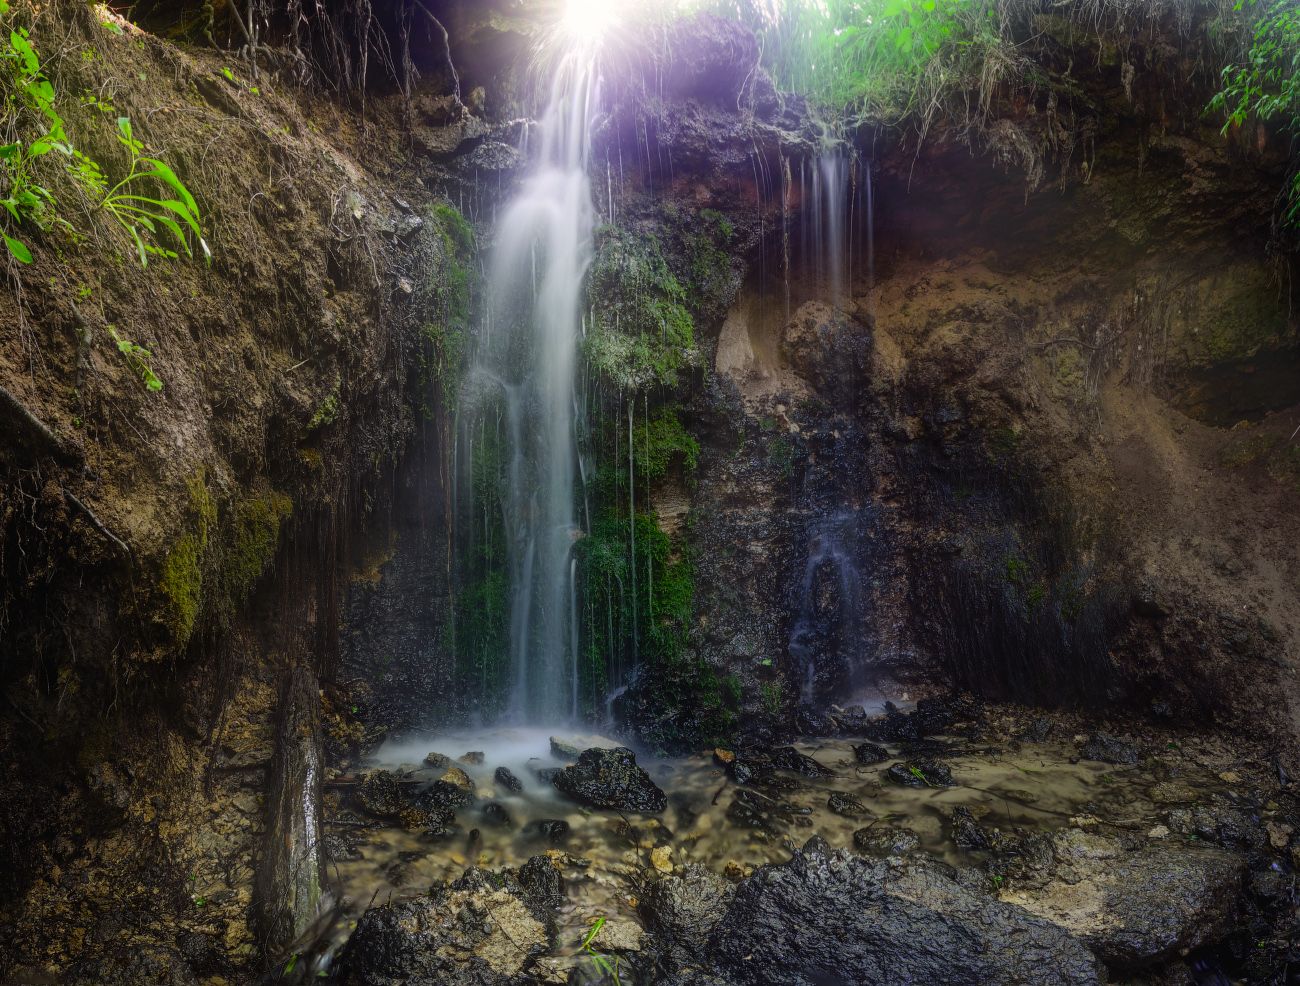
x=528 y=353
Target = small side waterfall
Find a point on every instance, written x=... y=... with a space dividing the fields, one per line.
x=527 y=354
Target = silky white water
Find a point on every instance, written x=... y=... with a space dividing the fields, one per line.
x=528 y=352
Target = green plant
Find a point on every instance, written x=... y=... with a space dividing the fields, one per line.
x=771 y=694
x=135 y=211
x=1265 y=83
x=601 y=960
x=919 y=775
x=23 y=86
x=137 y=357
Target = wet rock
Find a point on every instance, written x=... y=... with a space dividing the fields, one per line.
x=966 y=832
x=788 y=758
x=339 y=848
x=838 y=918
x=661 y=858
x=893 y=727
x=842 y=804
x=543 y=886
x=479 y=931
x=749 y=809
x=1138 y=908
x=682 y=909
x=507 y=780
x=457 y=778
x=571 y=747
x=749 y=766
x=1039 y=728
x=553 y=830
x=383 y=794
x=437 y=760
x=611 y=779
x=920 y=773
x=474 y=758
x=1174 y=793
x=885 y=840
x=1109 y=749
x=1225 y=824
x=497 y=816
x=870 y=753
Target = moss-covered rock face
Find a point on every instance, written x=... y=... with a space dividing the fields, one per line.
x=183 y=566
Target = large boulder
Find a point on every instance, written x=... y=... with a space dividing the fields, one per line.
x=611 y=779
x=1141 y=907
x=832 y=917
x=681 y=910
x=486 y=929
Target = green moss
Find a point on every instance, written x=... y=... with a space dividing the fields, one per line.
x=1284 y=466
x=642 y=333
x=327 y=412
x=772 y=695
x=1244 y=451
x=660 y=442
x=182 y=570
x=256 y=536
x=1016 y=570
x=1237 y=325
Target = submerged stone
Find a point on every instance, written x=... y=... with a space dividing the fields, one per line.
x=611 y=779
x=885 y=840
x=920 y=773
x=508 y=780
x=788 y=758
x=1109 y=749
x=842 y=804
x=870 y=753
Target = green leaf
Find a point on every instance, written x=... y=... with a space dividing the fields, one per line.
x=19 y=249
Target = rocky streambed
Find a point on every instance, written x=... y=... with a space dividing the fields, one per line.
x=949 y=843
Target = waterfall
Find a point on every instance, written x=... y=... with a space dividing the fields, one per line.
x=528 y=350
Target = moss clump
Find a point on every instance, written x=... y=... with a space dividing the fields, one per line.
x=182 y=571
x=660 y=442
x=1243 y=452
x=1284 y=466
x=642 y=333
x=328 y=411
x=256 y=536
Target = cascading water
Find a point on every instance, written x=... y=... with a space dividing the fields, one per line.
x=528 y=354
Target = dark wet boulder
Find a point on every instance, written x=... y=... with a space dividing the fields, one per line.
x=750 y=809
x=935 y=715
x=496 y=816
x=508 y=780
x=478 y=931
x=885 y=840
x=843 y=804
x=1137 y=908
x=543 y=887
x=788 y=758
x=1226 y=824
x=611 y=779
x=893 y=727
x=1109 y=749
x=920 y=773
x=431 y=808
x=680 y=910
x=838 y=918
x=749 y=766
x=966 y=832
x=870 y=753
x=553 y=830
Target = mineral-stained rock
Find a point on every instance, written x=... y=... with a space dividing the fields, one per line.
x=611 y=779
x=681 y=910
x=885 y=840
x=837 y=918
x=1109 y=749
x=920 y=773
x=479 y=931
x=1137 y=908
